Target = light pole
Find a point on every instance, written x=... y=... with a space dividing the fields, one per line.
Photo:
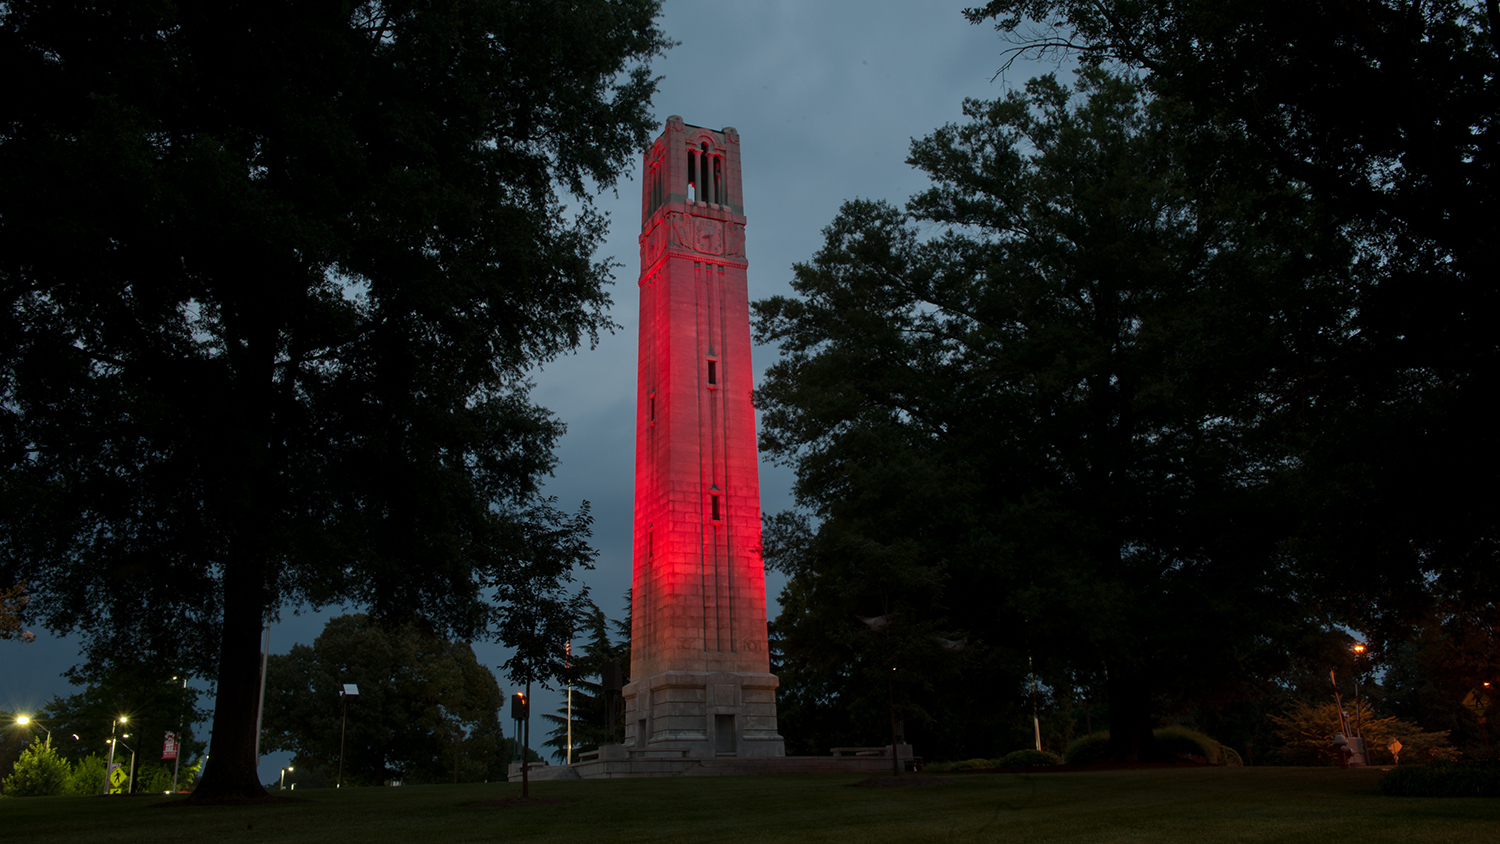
x=1359 y=715
x=130 y=786
x=181 y=717
x=283 y=776
x=25 y=720
x=111 y=764
x=349 y=691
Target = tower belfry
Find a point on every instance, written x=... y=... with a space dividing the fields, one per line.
x=700 y=672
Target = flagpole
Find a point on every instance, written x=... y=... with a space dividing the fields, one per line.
x=569 y=665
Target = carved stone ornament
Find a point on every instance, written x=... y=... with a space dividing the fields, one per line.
x=682 y=231
x=734 y=240
x=710 y=237
x=653 y=244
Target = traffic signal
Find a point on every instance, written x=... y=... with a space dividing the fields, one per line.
x=520 y=709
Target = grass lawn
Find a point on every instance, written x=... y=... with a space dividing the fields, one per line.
x=1192 y=805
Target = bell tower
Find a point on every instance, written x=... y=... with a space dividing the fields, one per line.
x=700 y=674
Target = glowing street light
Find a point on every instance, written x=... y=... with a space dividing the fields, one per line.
x=1359 y=714
x=283 y=776
x=111 y=765
x=25 y=720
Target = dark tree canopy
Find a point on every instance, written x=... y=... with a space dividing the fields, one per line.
x=422 y=699
x=271 y=277
x=1027 y=414
x=1386 y=113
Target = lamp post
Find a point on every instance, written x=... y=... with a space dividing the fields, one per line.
x=111 y=764
x=181 y=717
x=130 y=786
x=283 y=776
x=1359 y=715
x=25 y=720
x=349 y=691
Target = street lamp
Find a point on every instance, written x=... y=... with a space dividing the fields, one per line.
x=349 y=691
x=1359 y=715
x=181 y=718
x=130 y=787
x=111 y=765
x=283 y=776
x=25 y=720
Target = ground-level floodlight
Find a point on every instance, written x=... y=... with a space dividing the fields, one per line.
x=349 y=691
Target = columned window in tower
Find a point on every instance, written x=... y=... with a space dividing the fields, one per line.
x=692 y=175
x=656 y=194
x=719 y=181
x=705 y=196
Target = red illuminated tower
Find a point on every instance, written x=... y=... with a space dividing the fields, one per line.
x=700 y=675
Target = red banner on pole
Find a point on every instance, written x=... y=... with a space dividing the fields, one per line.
x=169 y=747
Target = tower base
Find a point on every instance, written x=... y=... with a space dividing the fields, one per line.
x=703 y=715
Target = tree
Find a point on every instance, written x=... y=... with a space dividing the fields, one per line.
x=591 y=704
x=1040 y=428
x=39 y=772
x=422 y=699
x=271 y=278
x=86 y=776
x=12 y=605
x=1384 y=112
x=152 y=700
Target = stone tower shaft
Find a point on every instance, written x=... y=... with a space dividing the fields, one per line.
x=700 y=674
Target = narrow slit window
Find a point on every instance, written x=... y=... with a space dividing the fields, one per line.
x=713 y=372
x=714 y=504
x=651 y=408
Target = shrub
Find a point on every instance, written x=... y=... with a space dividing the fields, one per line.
x=973 y=765
x=1171 y=741
x=1444 y=779
x=40 y=772
x=1026 y=758
x=1085 y=750
x=87 y=776
x=965 y=765
x=1180 y=741
x=1307 y=735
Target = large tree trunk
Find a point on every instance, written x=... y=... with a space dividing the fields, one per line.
x=1130 y=737
x=232 y=770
